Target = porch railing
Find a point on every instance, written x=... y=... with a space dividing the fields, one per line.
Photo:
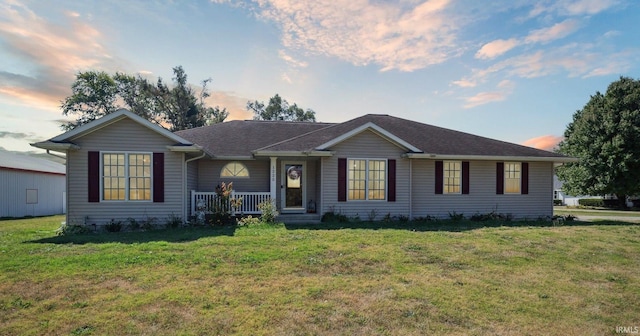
x=249 y=204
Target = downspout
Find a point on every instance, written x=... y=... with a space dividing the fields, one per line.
x=410 y=189
x=56 y=155
x=184 y=183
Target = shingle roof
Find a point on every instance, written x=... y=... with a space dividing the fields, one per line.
x=241 y=138
x=29 y=163
x=429 y=139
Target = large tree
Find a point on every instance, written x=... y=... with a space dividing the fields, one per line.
x=605 y=136
x=96 y=94
x=280 y=109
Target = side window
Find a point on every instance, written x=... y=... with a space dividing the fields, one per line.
x=234 y=169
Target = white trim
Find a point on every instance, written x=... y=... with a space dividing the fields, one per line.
x=126 y=177
x=444 y=178
x=504 y=176
x=491 y=158
x=111 y=118
x=292 y=153
x=186 y=149
x=235 y=176
x=55 y=146
x=283 y=191
x=273 y=178
x=366 y=185
x=376 y=129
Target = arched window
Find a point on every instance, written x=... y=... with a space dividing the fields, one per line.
x=234 y=169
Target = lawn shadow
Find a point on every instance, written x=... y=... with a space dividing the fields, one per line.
x=448 y=225
x=176 y=235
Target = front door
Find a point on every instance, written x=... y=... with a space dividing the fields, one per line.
x=294 y=186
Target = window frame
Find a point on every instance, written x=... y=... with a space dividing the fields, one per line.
x=127 y=176
x=507 y=178
x=235 y=176
x=367 y=181
x=458 y=178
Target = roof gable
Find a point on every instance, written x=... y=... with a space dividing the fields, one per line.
x=114 y=117
x=375 y=129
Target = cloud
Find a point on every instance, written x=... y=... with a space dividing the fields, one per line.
x=496 y=48
x=465 y=83
x=19 y=136
x=572 y=7
x=395 y=36
x=291 y=61
x=557 y=31
x=484 y=98
x=49 y=54
x=235 y=105
x=545 y=142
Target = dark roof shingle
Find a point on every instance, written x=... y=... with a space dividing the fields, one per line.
x=242 y=138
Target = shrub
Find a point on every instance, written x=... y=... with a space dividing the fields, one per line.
x=173 y=221
x=454 y=216
x=148 y=223
x=478 y=217
x=557 y=202
x=133 y=224
x=113 y=226
x=331 y=216
x=71 y=229
x=591 y=202
x=248 y=221
x=269 y=212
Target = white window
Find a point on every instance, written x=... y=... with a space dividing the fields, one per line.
x=512 y=177
x=126 y=176
x=234 y=169
x=452 y=177
x=367 y=179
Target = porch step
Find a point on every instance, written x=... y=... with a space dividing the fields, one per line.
x=299 y=218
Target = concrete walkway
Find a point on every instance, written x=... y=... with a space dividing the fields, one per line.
x=589 y=216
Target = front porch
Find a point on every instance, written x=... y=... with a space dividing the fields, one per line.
x=248 y=206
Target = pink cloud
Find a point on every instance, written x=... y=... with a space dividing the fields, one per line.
x=557 y=31
x=484 y=98
x=395 y=37
x=545 y=142
x=496 y=48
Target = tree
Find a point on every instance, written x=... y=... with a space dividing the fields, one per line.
x=605 y=136
x=96 y=94
x=279 y=109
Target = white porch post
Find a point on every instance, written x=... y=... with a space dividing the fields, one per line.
x=273 y=175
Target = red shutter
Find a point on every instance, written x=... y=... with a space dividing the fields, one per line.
x=499 y=178
x=342 y=180
x=524 y=178
x=94 y=177
x=391 y=176
x=465 y=177
x=439 y=177
x=158 y=177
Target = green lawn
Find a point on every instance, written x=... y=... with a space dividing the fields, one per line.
x=340 y=279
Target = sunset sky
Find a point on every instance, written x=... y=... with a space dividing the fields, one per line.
x=513 y=70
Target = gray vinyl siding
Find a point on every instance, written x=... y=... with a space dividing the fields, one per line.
x=13 y=193
x=482 y=197
x=123 y=136
x=366 y=145
x=209 y=176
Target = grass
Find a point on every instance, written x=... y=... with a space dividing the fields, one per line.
x=328 y=279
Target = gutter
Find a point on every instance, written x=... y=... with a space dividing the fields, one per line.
x=554 y=159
